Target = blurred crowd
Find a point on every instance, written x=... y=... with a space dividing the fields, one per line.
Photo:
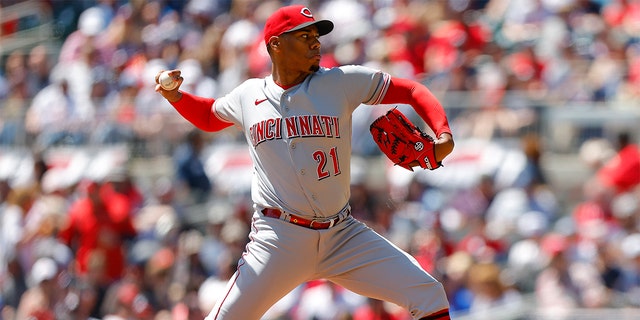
x=110 y=248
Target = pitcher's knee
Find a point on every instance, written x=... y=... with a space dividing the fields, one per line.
x=433 y=303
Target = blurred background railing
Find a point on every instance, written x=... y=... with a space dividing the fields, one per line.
x=26 y=24
x=562 y=129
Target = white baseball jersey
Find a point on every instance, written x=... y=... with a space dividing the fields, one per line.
x=301 y=137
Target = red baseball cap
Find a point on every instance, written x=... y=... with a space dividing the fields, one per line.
x=292 y=18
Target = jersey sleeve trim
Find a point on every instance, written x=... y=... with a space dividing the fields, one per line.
x=381 y=89
x=217 y=114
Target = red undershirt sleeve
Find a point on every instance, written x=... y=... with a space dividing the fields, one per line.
x=199 y=111
x=422 y=100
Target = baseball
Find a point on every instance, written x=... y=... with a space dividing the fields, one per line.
x=167 y=82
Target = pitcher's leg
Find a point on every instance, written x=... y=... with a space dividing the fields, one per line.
x=370 y=265
x=271 y=266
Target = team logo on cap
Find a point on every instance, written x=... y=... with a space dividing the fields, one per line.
x=306 y=12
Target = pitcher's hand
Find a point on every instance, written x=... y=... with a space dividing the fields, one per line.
x=171 y=95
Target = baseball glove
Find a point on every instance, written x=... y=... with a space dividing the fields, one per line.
x=404 y=143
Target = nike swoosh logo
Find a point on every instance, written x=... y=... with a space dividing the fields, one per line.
x=257 y=102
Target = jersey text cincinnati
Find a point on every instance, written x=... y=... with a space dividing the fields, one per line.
x=294 y=127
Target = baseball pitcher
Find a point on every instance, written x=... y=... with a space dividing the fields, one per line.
x=297 y=121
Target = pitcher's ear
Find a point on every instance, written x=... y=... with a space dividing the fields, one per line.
x=274 y=42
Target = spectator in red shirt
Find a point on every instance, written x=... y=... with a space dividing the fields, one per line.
x=97 y=235
x=622 y=172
